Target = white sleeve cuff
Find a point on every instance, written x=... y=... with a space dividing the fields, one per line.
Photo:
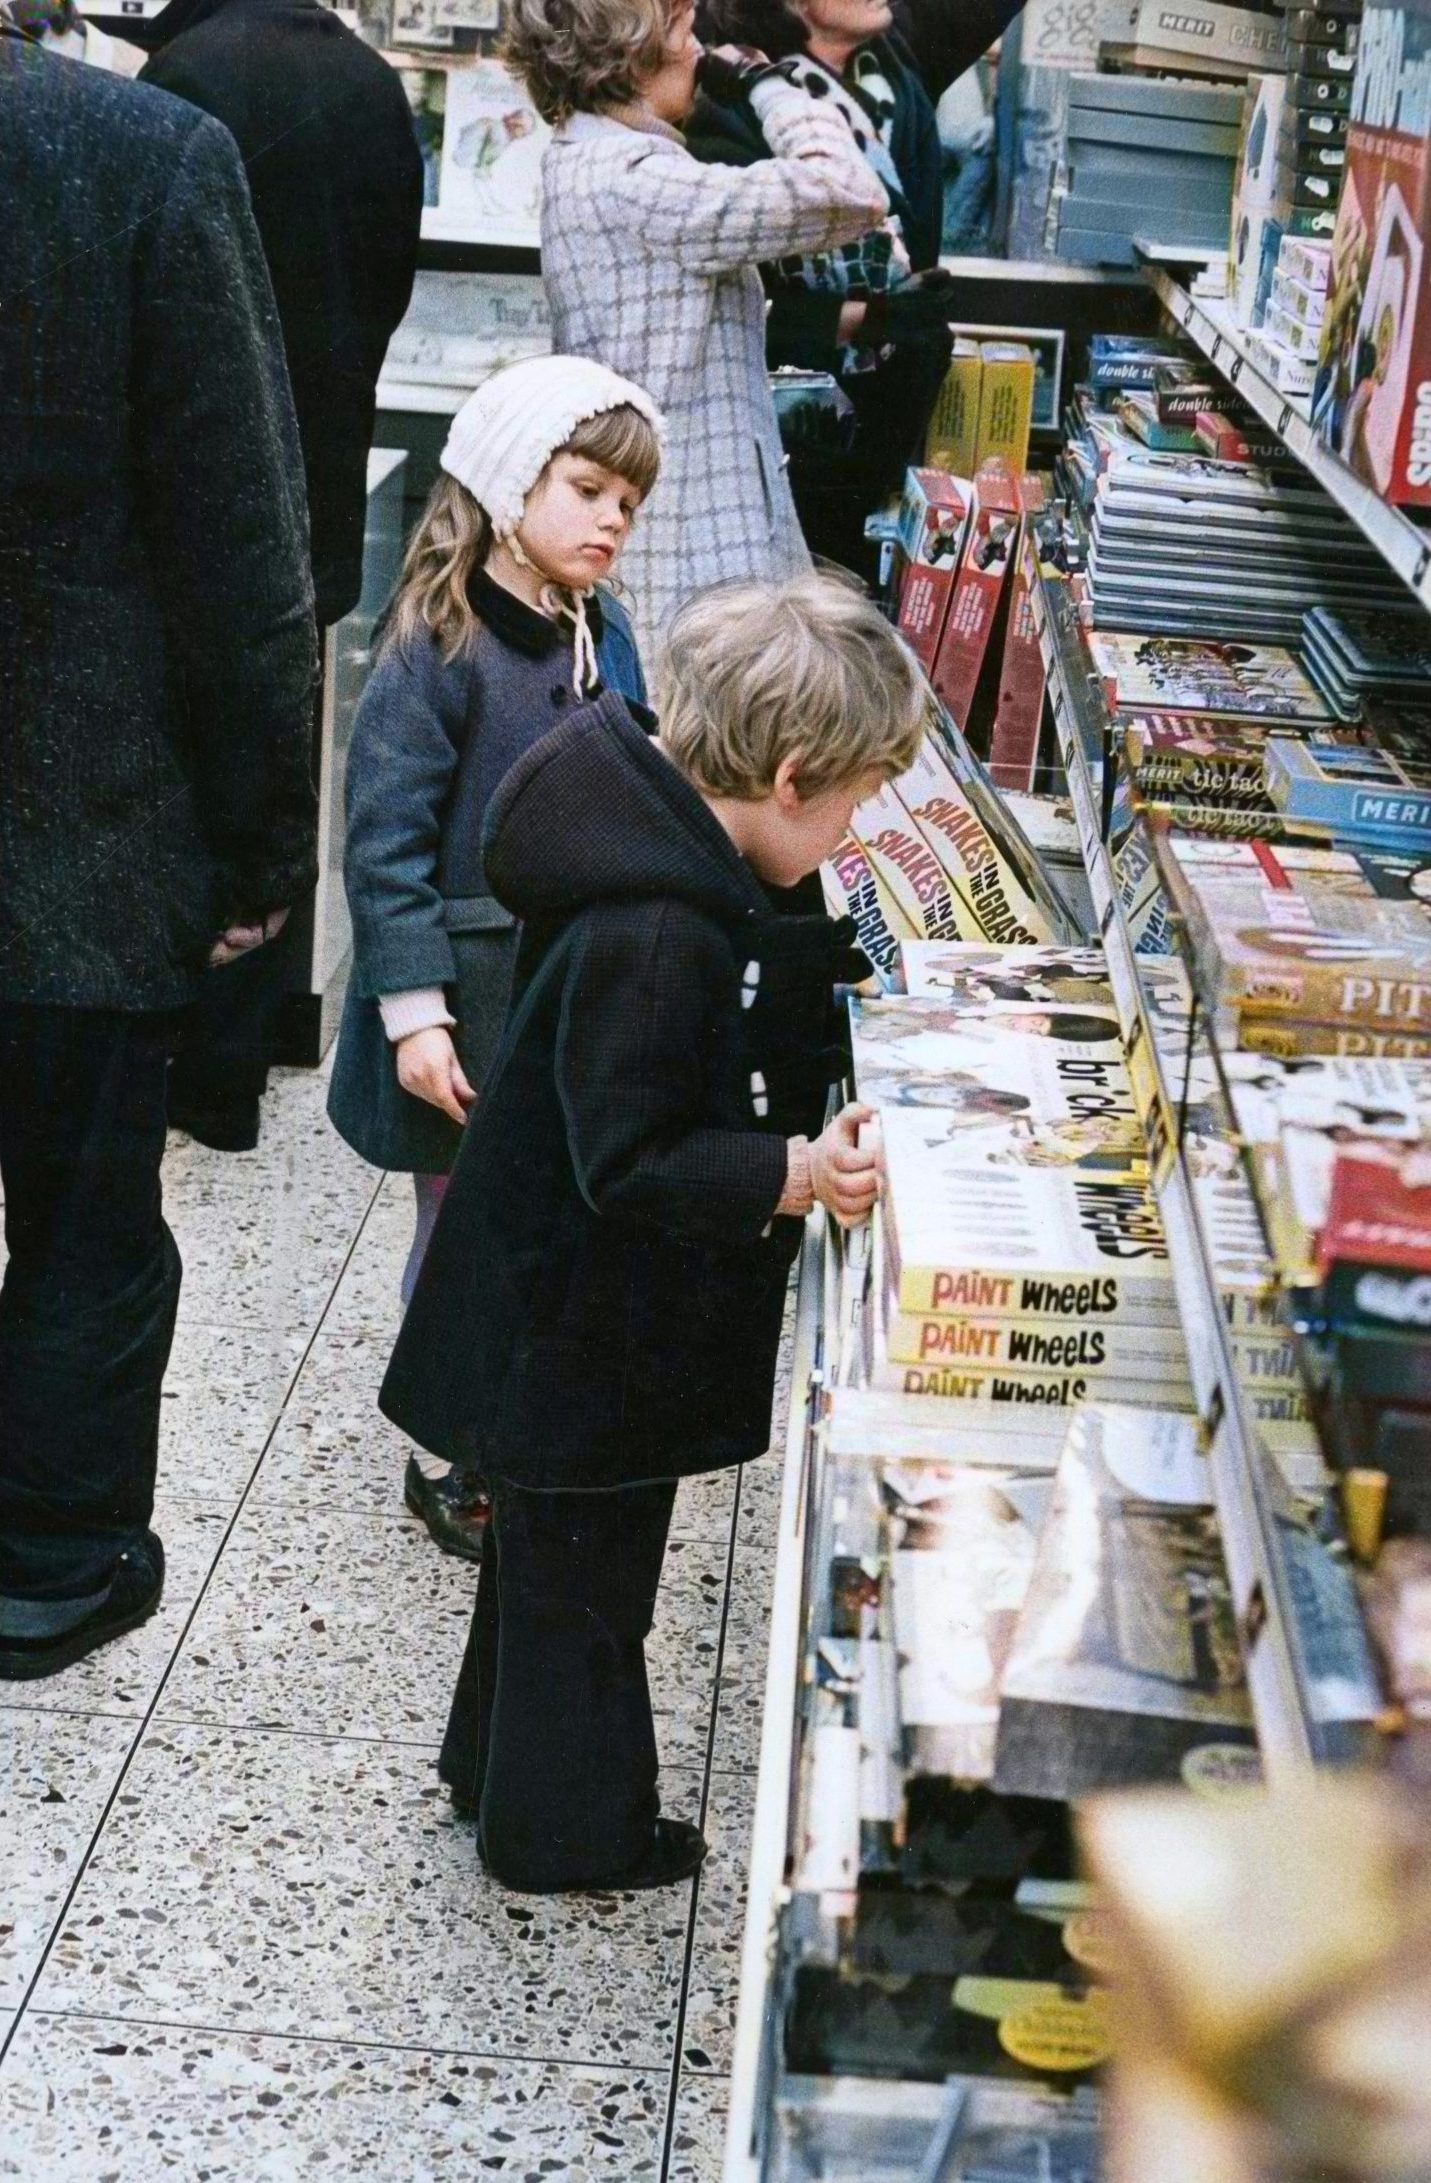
x=425 y=1009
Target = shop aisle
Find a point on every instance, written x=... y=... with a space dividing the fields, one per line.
x=241 y=1935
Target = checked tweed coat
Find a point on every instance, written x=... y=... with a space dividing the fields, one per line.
x=650 y=262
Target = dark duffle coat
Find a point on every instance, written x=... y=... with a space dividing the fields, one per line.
x=602 y=1300
x=431 y=742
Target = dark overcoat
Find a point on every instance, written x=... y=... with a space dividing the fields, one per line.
x=157 y=653
x=602 y=1300
x=431 y=742
x=326 y=134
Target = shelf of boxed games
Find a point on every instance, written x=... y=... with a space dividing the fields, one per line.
x=1308 y=1664
x=1402 y=544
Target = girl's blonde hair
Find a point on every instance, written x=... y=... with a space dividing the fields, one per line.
x=756 y=673
x=455 y=536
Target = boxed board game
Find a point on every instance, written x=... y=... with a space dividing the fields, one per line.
x=1199 y=36
x=951 y=1226
x=1357 y=791
x=953 y=436
x=933 y=516
x=1240 y=681
x=1018 y=716
x=1373 y=391
x=979 y=591
x=1006 y=390
x=1329 y=935
x=1125 y=1656
x=853 y=888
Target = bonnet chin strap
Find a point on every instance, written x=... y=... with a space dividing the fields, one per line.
x=564 y=605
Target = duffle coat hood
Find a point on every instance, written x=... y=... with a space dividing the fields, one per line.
x=602 y=1300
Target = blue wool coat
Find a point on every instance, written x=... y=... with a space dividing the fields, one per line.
x=431 y=743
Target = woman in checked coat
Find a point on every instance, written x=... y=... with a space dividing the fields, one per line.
x=650 y=260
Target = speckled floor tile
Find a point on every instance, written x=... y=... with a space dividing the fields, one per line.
x=336 y=1624
x=366 y=1300
x=681 y=1651
x=709 y=2038
x=231 y=1356
x=684 y=1644
x=212 y=1435
x=56 y=1774
x=698 y=2140
x=262 y=1882
x=121 y=1678
x=705 y=1507
x=89 y=2098
x=333 y=1445
x=268 y=1262
x=762 y=1485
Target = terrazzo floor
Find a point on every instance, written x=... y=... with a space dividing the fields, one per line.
x=242 y=1937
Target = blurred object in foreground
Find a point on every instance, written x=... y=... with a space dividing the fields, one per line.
x=1271 y=1964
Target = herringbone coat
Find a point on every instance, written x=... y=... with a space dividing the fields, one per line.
x=650 y=262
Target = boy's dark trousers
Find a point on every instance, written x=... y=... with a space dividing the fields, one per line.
x=87 y=1303
x=550 y=1736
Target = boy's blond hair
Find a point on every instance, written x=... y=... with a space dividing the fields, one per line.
x=755 y=673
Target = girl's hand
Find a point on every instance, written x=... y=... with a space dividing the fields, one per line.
x=844 y=1175
x=428 y=1067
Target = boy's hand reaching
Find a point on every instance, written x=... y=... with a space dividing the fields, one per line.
x=428 y=1067
x=842 y=1172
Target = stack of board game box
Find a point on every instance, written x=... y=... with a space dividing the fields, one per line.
x=936 y=855
x=1146 y=157
x=1193 y=720
x=1021 y=1260
x=1289 y=177
x=1244 y=740
x=1309 y=950
x=1182 y=541
x=1196 y=37
x=1372 y=665
x=1340 y=1150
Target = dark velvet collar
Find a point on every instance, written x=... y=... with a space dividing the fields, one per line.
x=522 y=626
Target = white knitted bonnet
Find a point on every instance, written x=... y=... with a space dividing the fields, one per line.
x=505 y=434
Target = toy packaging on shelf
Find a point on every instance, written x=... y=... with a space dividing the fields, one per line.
x=1373 y=392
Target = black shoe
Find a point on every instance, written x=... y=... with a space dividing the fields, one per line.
x=677 y=1852
x=136 y=1591
x=224 y=1125
x=456 y=1509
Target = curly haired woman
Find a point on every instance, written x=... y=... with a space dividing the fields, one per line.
x=650 y=260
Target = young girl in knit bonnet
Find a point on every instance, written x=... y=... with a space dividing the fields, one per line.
x=500 y=621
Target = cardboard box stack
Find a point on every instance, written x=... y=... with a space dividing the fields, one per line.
x=1289 y=176
x=1147 y=157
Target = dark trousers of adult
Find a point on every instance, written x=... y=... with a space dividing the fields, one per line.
x=551 y=1738
x=87 y=1303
